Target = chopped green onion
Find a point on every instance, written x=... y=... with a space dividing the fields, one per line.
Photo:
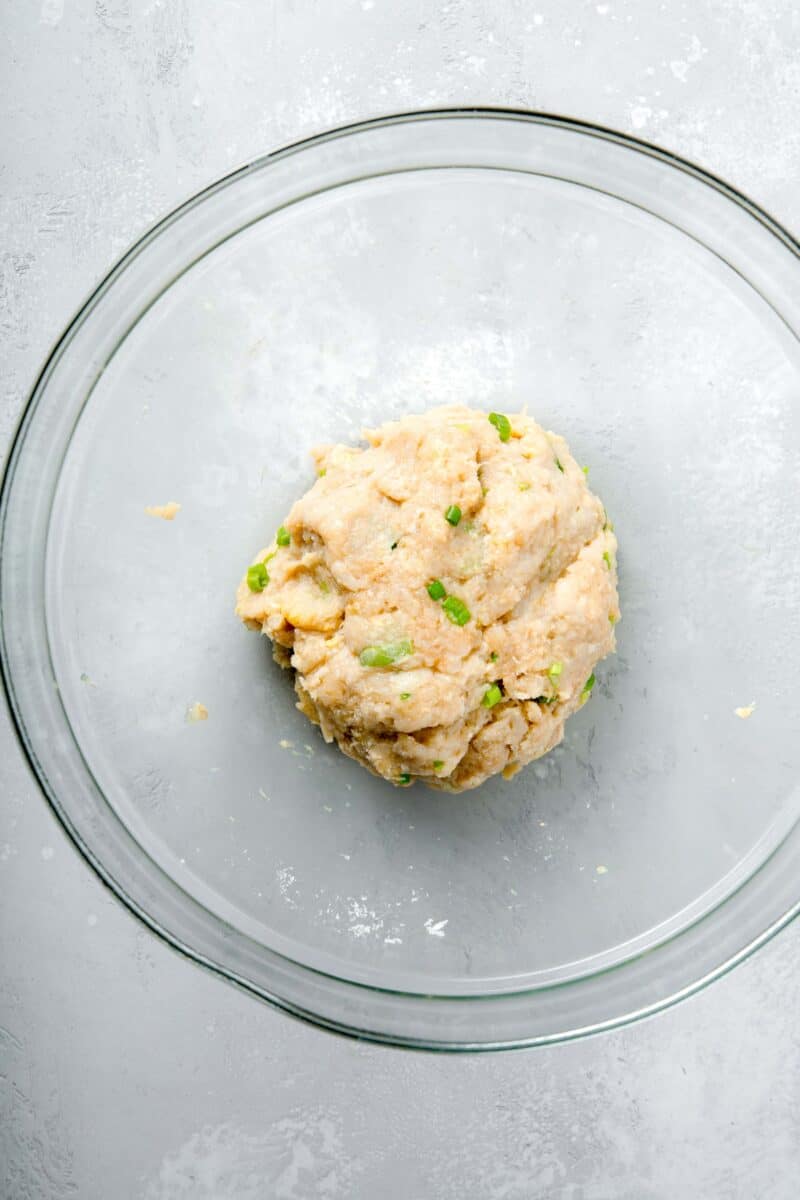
x=494 y=656
x=404 y=779
x=524 y=487
x=257 y=577
x=405 y=695
x=585 y=471
x=436 y=589
x=386 y=655
x=501 y=424
x=283 y=537
x=453 y=515
x=607 y=559
x=558 y=464
x=438 y=764
x=612 y=620
x=554 y=670
x=547 y=699
x=587 y=688
x=493 y=695
x=324 y=587
x=322 y=472
x=456 y=610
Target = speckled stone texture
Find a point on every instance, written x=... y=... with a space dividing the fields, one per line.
x=125 y=1071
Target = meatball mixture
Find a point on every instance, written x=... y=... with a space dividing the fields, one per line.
x=442 y=596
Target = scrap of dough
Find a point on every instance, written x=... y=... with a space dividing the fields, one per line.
x=746 y=711
x=532 y=561
x=198 y=712
x=167 y=512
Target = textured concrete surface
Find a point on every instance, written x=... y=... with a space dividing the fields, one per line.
x=125 y=1071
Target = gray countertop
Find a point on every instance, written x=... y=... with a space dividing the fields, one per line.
x=127 y=1071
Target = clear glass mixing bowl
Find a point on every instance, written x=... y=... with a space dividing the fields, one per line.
x=633 y=303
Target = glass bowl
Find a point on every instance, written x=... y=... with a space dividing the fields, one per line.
x=635 y=304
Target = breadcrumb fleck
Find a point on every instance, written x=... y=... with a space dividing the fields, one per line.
x=198 y=712
x=601 y=870
x=167 y=512
x=746 y=711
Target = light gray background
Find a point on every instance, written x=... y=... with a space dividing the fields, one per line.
x=127 y=1072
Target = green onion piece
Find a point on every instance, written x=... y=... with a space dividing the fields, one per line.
x=587 y=688
x=546 y=699
x=558 y=464
x=585 y=471
x=607 y=559
x=438 y=764
x=456 y=610
x=404 y=779
x=283 y=537
x=324 y=587
x=386 y=655
x=453 y=515
x=493 y=695
x=436 y=589
x=502 y=425
x=612 y=620
x=257 y=577
x=405 y=695
x=524 y=487
x=494 y=656
x=321 y=472
x=554 y=670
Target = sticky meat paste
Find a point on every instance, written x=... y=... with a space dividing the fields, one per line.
x=441 y=596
